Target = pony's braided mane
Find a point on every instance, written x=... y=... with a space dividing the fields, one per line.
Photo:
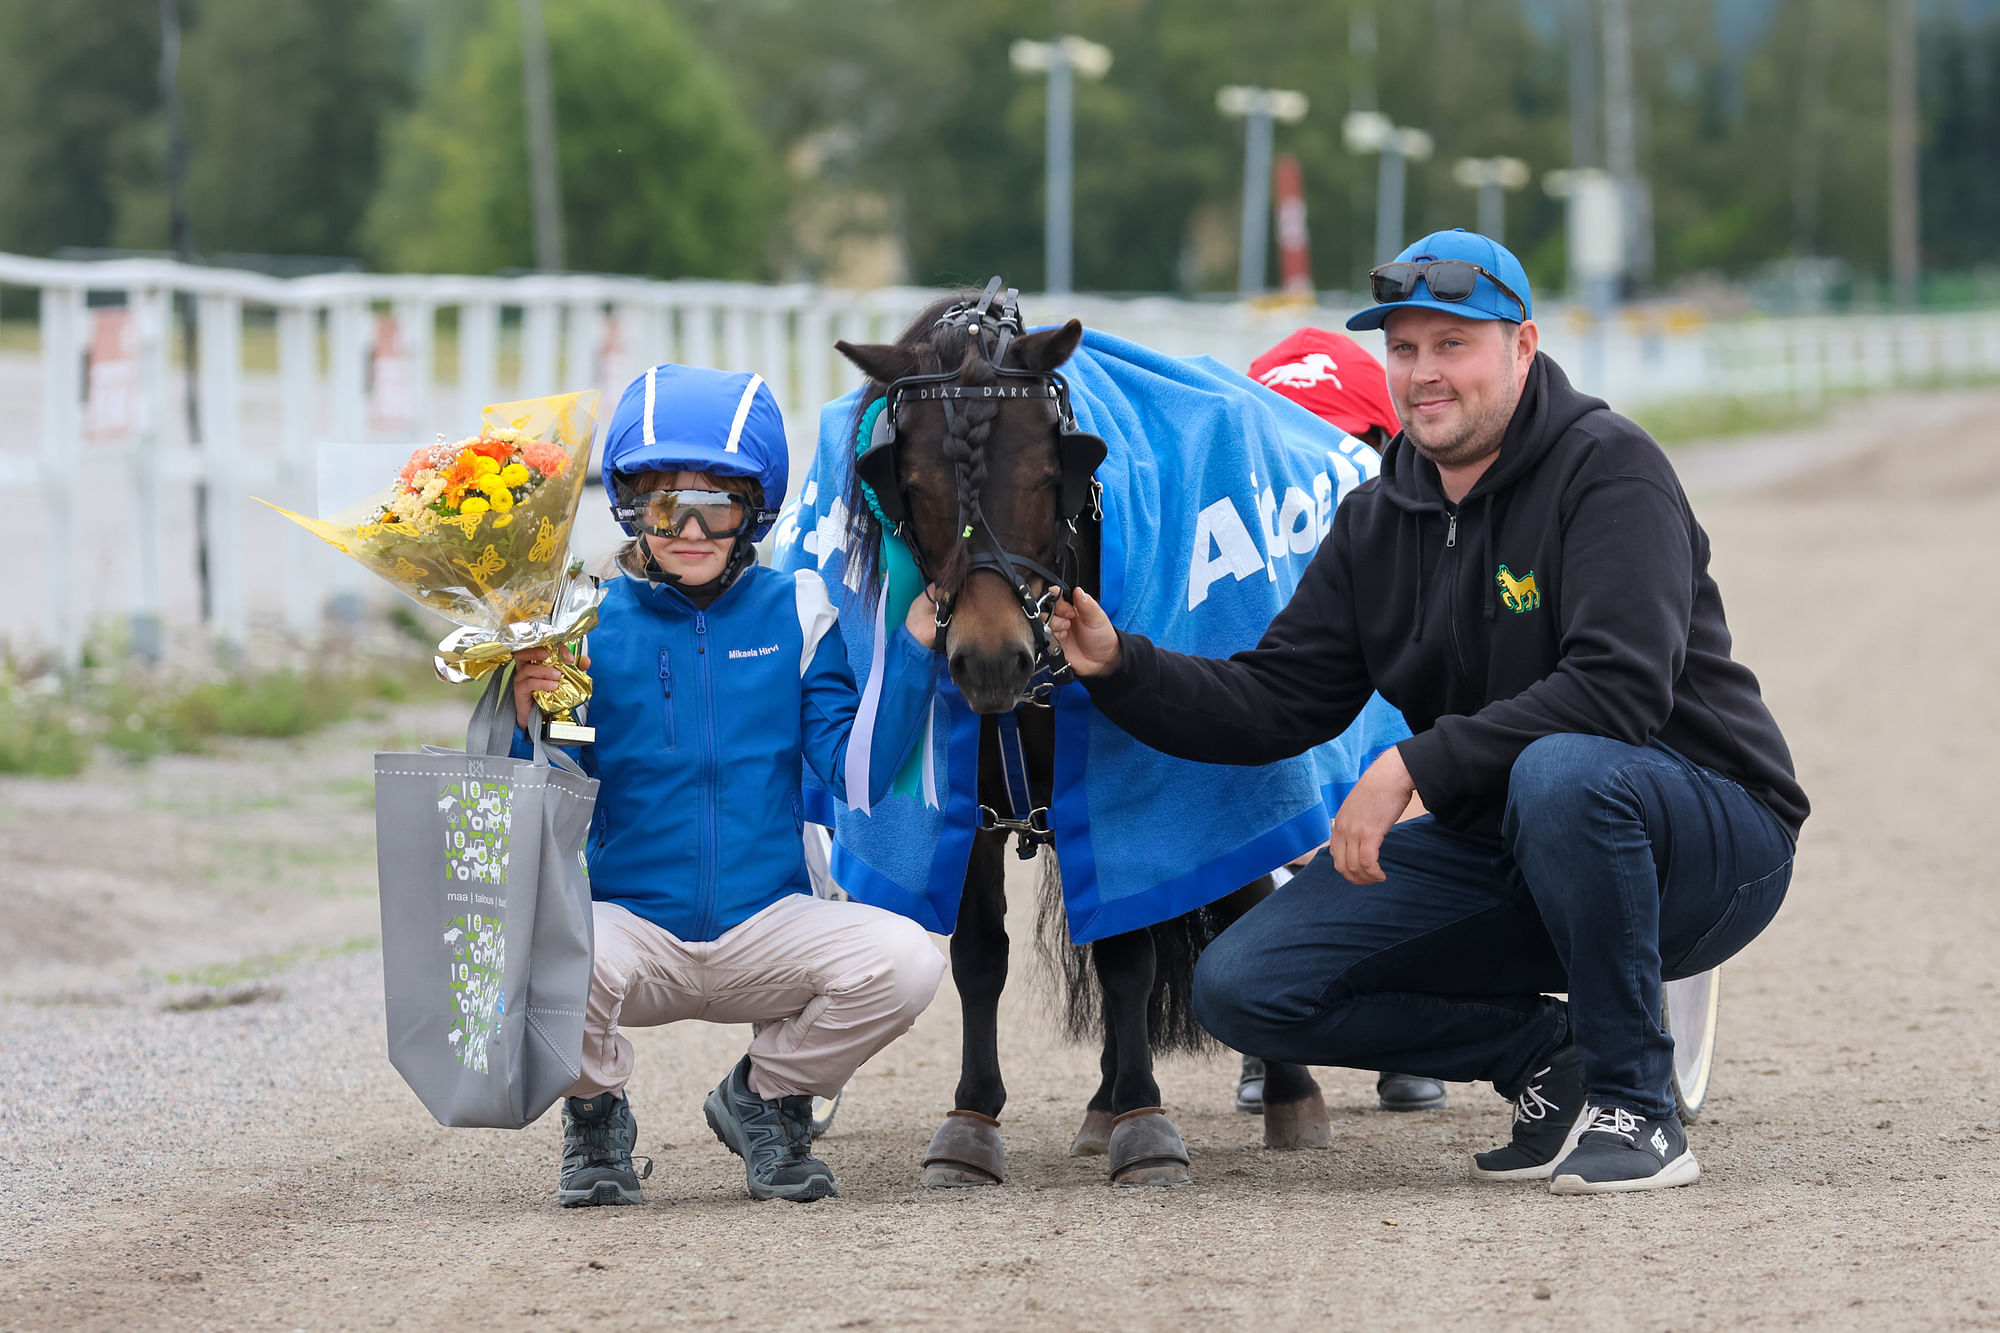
x=941 y=347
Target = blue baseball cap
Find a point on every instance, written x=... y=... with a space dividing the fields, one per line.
x=1487 y=301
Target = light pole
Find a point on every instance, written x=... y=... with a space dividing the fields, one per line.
x=1492 y=177
x=1597 y=237
x=1259 y=107
x=544 y=180
x=1059 y=59
x=1373 y=132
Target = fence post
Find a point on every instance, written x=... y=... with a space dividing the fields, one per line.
x=814 y=339
x=148 y=616
x=297 y=482
x=647 y=334
x=346 y=423
x=774 y=352
x=736 y=338
x=698 y=335
x=478 y=347
x=586 y=327
x=541 y=334
x=62 y=427
x=417 y=320
x=219 y=324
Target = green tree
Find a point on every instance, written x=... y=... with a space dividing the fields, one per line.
x=76 y=79
x=286 y=100
x=662 y=173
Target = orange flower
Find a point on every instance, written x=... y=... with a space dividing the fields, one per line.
x=463 y=473
x=497 y=450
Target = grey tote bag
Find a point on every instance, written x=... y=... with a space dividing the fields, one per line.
x=486 y=933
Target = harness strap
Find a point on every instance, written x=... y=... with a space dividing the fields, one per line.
x=1014 y=766
x=1028 y=822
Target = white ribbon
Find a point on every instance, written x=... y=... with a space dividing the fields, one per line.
x=861 y=738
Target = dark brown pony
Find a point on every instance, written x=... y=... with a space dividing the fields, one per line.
x=981 y=478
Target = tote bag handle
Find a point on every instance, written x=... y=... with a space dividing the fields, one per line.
x=491 y=729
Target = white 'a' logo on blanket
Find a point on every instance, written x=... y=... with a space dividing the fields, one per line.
x=1292 y=525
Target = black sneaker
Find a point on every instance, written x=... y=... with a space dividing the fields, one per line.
x=774 y=1139
x=1619 y=1151
x=598 y=1135
x=1409 y=1092
x=1546 y=1115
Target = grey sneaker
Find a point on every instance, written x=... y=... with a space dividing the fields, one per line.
x=1409 y=1092
x=1546 y=1116
x=598 y=1135
x=774 y=1139
x=1250 y=1087
x=1619 y=1151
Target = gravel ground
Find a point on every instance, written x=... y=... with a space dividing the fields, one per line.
x=256 y=1163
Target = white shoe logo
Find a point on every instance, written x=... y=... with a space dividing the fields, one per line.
x=1660 y=1142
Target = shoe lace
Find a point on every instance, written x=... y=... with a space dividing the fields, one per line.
x=795 y=1120
x=1531 y=1105
x=601 y=1147
x=1612 y=1120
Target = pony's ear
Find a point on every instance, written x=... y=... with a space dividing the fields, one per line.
x=884 y=363
x=1048 y=349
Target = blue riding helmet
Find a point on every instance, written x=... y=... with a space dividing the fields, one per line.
x=690 y=419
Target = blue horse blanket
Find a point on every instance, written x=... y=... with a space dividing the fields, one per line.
x=1217 y=492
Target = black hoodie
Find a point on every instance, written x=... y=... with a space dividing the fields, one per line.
x=1568 y=592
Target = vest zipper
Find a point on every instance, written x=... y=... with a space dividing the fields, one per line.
x=710 y=798
x=1450 y=582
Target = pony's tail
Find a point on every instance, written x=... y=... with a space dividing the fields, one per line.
x=1177 y=945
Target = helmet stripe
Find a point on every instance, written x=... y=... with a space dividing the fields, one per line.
x=647 y=419
x=742 y=412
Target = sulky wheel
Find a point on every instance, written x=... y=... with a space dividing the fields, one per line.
x=1688 y=1009
x=823 y=1109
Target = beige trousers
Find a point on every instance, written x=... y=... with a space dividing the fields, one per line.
x=828 y=984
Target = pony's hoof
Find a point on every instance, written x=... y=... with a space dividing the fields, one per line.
x=1094 y=1139
x=1300 y=1124
x=966 y=1152
x=1146 y=1149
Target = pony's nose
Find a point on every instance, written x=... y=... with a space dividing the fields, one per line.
x=1007 y=663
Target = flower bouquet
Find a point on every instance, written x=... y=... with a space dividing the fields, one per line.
x=478 y=531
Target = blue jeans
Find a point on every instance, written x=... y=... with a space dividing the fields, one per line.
x=1617 y=866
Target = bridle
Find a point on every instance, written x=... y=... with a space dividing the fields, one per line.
x=994 y=321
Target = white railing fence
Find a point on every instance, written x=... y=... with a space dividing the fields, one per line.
x=103 y=472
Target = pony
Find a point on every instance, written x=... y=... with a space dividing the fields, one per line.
x=974 y=459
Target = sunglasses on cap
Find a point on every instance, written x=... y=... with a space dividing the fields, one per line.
x=666 y=513
x=1448 y=280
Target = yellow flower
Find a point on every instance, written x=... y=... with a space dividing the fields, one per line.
x=474 y=505
x=482 y=466
x=503 y=520
x=513 y=474
x=502 y=500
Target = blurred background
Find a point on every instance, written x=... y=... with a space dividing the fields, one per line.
x=237 y=236
x=877 y=142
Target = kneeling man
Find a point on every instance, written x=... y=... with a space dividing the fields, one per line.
x=1611 y=802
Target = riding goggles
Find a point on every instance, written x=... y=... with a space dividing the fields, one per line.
x=666 y=513
x=1448 y=280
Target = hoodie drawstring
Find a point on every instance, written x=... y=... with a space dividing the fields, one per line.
x=1417 y=634
x=1486 y=555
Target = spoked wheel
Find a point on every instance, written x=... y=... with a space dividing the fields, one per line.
x=823 y=1109
x=1688 y=1009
